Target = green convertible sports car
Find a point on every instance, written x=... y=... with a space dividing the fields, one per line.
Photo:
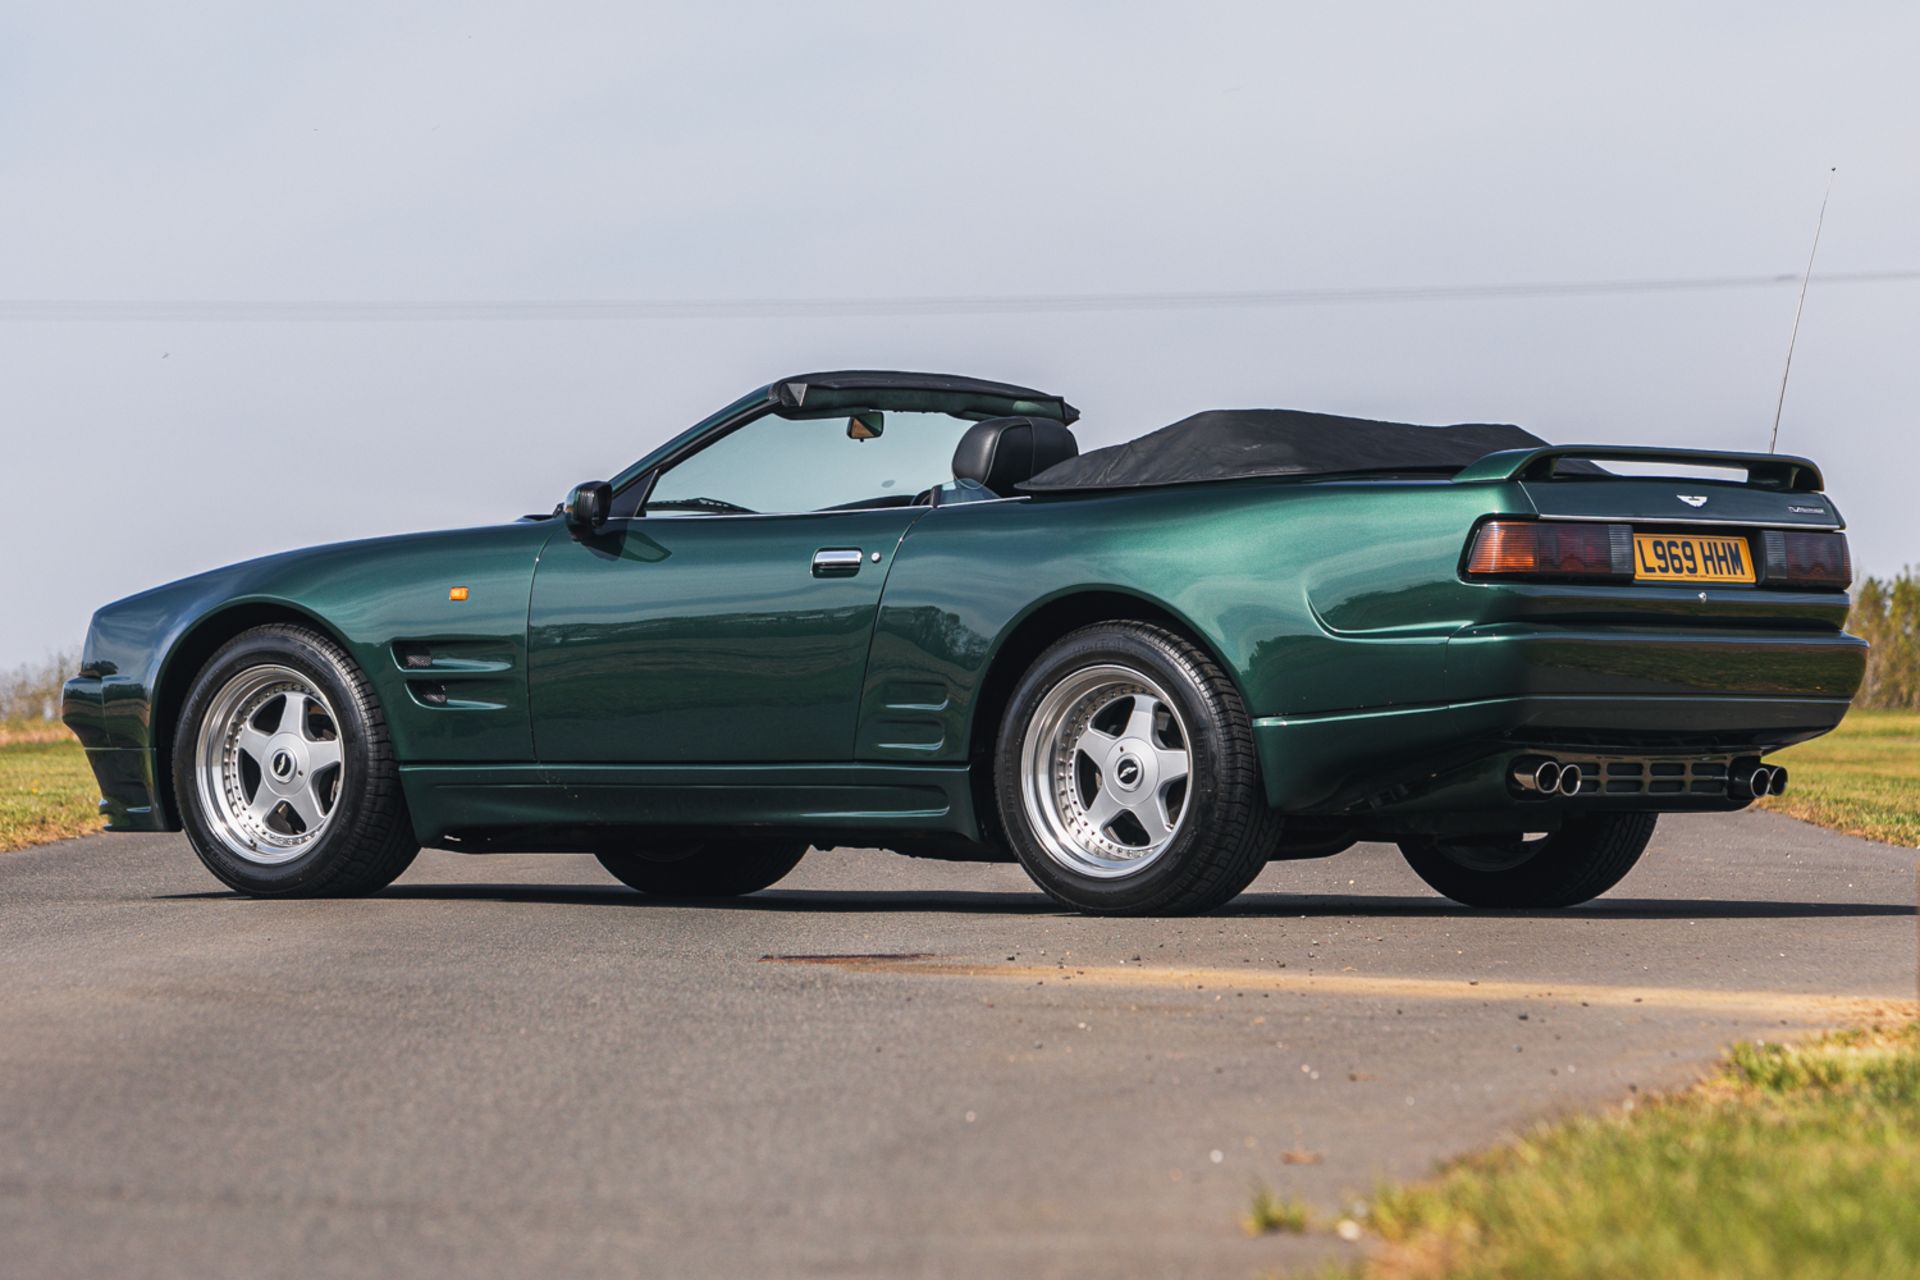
x=904 y=610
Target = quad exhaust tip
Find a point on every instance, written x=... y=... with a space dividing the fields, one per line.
x=1546 y=778
x=1549 y=779
x=1760 y=780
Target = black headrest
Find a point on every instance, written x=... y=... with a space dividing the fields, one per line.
x=1002 y=452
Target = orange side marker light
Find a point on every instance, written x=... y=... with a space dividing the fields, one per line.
x=456 y=594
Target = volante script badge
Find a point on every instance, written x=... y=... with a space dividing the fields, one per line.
x=1692 y=499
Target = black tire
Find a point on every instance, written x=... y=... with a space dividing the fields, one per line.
x=368 y=838
x=1225 y=831
x=1588 y=856
x=707 y=868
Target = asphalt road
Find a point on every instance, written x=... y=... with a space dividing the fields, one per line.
x=512 y=1066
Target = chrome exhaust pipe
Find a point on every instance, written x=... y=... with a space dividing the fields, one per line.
x=1777 y=784
x=1547 y=778
x=1530 y=773
x=1750 y=784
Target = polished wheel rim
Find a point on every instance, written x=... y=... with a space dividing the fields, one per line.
x=1104 y=770
x=269 y=764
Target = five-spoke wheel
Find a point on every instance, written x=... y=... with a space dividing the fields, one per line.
x=1125 y=775
x=269 y=763
x=283 y=771
x=1104 y=769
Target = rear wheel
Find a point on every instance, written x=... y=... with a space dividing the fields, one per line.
x=706 y=869
x=1582 y=860
x=1125 y=775
x=283 y=771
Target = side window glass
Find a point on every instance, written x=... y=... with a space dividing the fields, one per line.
x=781 y=465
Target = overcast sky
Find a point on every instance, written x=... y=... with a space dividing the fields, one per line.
x=484 y=152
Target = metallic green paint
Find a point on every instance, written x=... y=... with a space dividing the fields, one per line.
x=1358 y=656
x=679 y=672
x=141 y=653
x=129 y=789
x=533 y=808
x=707 y=640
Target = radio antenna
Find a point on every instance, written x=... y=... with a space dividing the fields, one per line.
x=1773 y=445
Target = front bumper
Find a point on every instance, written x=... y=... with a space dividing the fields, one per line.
x=131 y=798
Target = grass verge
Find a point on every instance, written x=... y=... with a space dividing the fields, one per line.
x=1792 y=1161
x=1269 y=1213
x=47 y=792
x=1863 y=778
x=13 y=732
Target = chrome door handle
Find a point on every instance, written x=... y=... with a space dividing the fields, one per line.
x=836 y=562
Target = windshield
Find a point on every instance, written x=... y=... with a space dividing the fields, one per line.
x=775 y=464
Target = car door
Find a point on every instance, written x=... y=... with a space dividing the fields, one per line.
x=710 y=629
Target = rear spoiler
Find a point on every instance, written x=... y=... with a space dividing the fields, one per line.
x=1764 y=470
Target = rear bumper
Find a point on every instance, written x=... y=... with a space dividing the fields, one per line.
x=1594 y=691
x=1536 y=660
x=1375 y=759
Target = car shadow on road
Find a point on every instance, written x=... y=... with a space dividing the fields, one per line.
x=808 y=900
x=969 y=902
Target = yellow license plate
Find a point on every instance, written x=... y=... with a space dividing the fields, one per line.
x=1684 y=557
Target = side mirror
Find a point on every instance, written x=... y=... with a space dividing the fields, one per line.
x=868 y=424
x=587 y=507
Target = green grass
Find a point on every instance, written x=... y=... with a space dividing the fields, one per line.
x=1269 y=1213
x=1863 y=778
x=1799 y=1162
x=47 y=792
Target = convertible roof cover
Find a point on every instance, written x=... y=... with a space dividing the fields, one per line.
x=1230 y=444
x=892 y=388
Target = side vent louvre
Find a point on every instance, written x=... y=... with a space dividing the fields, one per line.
x=459 y=673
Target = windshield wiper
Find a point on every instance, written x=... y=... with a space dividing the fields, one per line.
x=717 y=506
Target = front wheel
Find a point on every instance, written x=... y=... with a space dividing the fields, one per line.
x=284 y=773
x=706 y=869
x=1582 y=860
x=1125 y=775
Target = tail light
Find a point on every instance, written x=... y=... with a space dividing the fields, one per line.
x=1814 y=560
x=1551 y=549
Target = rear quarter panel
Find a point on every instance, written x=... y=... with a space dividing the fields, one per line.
x=1315 y=596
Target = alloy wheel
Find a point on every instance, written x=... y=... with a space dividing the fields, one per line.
x=1105 y=768
x=270 y=764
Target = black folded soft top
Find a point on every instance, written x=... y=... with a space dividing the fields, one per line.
x=1231 y=444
